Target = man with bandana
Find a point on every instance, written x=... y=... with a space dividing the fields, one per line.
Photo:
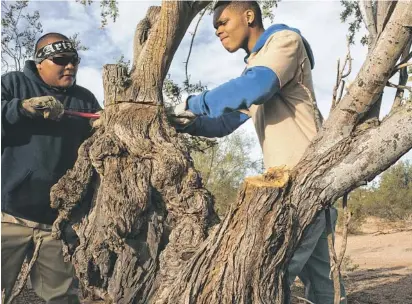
x=39 y=144
x=276 y=91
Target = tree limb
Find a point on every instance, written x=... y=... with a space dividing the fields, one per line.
x=191 y=44
x=334 y=269
x=404 y=60
x=399 y=87
x=404 y=65
x=340 y=75
x=143 y=30
x=336 y=262
x=335 y=88
x=148 y=76
x=403 y=77
x=346 y=221
x=384 y=11
x=384 y=144
x=366 y=8
x=370 y=81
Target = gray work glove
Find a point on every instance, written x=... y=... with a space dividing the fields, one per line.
x=47 y=107
x=179 y=116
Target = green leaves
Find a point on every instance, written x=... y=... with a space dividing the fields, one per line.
x=351 y=11
x=77 y=43
x=109 y=9
x=267 y=7
x=389 y=199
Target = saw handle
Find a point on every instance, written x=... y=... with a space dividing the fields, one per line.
x=81 y=114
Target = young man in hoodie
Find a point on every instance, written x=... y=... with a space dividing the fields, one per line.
x=39 y=144
x=276 y=91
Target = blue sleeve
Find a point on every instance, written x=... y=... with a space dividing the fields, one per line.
x=216 y=127
x=255 y=86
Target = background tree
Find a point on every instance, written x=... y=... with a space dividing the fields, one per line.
x=392 y=199
x=20 y=29
x=19 y=32
x=389 y=198
x=224 y=166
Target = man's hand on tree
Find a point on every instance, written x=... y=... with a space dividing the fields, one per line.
x=47 y=107
x=179 y=116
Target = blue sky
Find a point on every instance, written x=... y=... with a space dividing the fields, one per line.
x=318 y=21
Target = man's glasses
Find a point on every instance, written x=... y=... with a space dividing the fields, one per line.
x=65 y=60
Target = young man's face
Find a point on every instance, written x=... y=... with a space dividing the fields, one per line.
x=58 y=72
x=231 y=28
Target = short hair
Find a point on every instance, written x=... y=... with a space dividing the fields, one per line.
x=243 y=6
x=47 y=36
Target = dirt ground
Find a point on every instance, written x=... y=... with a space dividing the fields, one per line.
x=377 y=267
x=384 y=257
x=378 y=264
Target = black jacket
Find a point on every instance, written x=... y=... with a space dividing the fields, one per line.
x=35 y=153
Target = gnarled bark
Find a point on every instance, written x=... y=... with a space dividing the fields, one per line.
x=150 y=234
x=147 y=193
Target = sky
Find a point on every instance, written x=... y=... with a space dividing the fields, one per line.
x=210 y=63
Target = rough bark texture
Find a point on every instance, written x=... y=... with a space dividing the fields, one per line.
x=150 y=234
x=142 y=32
x=146 y=191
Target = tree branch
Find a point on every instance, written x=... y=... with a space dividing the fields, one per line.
x=191 y=44
x=335 y=89
x=404 y=60
x=399 y=87
x=148 y=76
x=143 y=30
x=369 y=83
x=346 y=221
x=403 y=77
x=366 y=8
x=340 y=75
x=384 y=11
x=384 y=144
x=404 y=65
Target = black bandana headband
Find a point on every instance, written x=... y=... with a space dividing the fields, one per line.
x=54 y=48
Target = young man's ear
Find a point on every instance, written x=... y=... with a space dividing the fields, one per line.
x=250 y=17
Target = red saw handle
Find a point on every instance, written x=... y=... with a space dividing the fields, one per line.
x=81 y=114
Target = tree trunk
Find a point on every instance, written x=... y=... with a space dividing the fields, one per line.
x=150 y=234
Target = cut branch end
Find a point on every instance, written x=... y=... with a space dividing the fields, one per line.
x=274 y=177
